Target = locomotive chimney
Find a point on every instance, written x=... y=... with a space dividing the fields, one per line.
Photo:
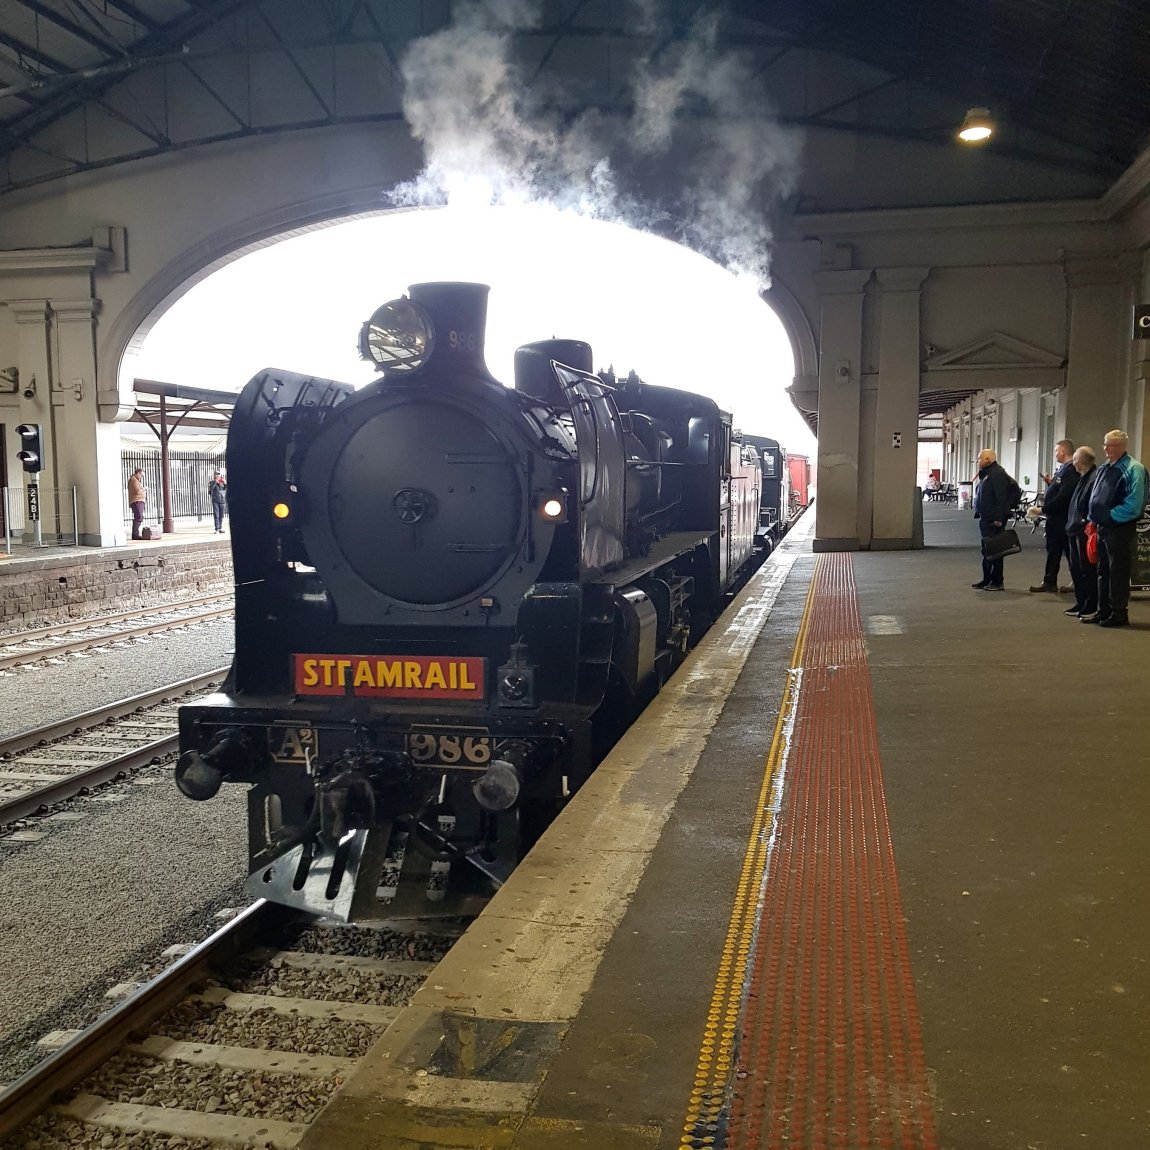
x=459 y=312
x=533 y=374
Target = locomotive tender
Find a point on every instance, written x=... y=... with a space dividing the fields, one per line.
x=451 y=597
x=775 y=516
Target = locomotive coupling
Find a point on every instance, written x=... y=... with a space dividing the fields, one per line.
x=199 y=775
x=497 y=789
x=346 y=802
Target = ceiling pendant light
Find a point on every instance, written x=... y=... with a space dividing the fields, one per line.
x=977 y=127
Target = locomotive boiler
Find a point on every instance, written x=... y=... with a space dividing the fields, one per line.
x=451 y=597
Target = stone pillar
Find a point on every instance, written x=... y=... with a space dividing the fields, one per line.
x=895 y=451
x=1097 y=398
x=35 y=362
x=840 y=368
x=89 y=450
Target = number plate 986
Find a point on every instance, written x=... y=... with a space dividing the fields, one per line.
x=460 y=748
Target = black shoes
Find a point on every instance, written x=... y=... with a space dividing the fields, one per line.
x=1050 y=587
x=994 y=587
x=1114 y=620
x=980 y=586
x=1094 y=617
x=1073 y=611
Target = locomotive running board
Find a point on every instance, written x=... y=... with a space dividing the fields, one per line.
x=303 y=877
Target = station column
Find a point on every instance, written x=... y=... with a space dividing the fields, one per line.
x=896 y=409
x=89 y=450
x=840 y=392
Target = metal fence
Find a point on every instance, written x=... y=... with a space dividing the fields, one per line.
x=191 y=472
x=56 y=526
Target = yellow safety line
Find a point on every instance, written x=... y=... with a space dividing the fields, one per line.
x=714 y=1065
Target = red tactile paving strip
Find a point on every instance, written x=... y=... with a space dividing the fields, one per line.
x=828 y=1049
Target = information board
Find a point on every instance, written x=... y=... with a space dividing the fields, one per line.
x=1140 y=568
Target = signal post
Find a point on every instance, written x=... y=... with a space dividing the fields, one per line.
x=31 y=456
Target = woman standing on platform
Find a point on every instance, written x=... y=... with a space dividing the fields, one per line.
x=1082 y=571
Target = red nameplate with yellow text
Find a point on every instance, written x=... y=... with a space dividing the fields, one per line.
x=389 y=676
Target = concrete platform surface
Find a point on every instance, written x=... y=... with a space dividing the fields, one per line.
x=1011 y=741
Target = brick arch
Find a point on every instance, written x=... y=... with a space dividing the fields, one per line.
x=131 y=326
x=785 y=304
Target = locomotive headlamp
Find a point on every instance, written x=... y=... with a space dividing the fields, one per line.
x=399 y=338
x=281 y=510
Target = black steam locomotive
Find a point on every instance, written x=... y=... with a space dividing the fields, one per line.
x=451 y=597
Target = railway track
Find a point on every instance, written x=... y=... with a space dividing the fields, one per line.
x=20 y=648
x=50 y=764
x=239 y=1042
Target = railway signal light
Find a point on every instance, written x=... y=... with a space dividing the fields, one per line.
x=31 y=453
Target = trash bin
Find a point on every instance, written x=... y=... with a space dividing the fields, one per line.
x=965 y=496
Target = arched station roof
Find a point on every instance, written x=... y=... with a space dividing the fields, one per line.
x=85 y=85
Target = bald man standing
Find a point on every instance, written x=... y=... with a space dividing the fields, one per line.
x=992 y=504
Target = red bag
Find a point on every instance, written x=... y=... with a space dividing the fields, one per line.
x=1091 y=543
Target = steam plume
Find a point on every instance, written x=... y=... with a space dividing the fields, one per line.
x=492 y=136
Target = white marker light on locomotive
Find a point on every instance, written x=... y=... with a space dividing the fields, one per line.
x=553 y=508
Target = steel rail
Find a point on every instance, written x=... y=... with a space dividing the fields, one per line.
x=86 y=644
x=26 y=740
x=9 y=637
x=35 y=1091
x=68 y=786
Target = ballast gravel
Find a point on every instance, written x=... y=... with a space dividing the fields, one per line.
x=94 y=902
x=51 y=690
x=209 y=1089
x=367 y=987
x=367 y=943
x=53 y=1132
x=266 y=1030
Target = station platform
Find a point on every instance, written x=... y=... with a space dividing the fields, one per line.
x=47 y=585
x=18 y=550
x=870 y=872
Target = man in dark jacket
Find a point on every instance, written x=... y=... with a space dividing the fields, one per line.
x=1116 y=504
x=218 y=494
x=992 y=506
x=1081 y=569
x=1055 y=504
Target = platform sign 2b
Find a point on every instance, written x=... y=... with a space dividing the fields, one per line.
x=33 y=502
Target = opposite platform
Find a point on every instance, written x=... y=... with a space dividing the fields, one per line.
x=714 y=946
